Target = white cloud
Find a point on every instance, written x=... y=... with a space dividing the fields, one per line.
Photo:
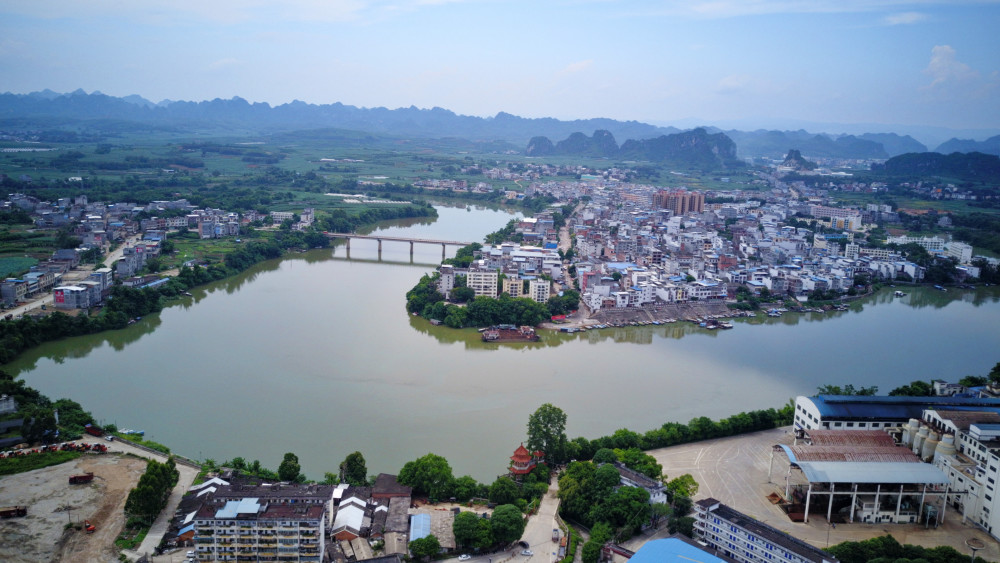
x=734 y=84
x=224 y=63
x=945 y=68
x=714 y=9
x=904 y=18
x=576 y=67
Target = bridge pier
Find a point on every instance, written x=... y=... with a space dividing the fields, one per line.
x=411 y=251
x=379 y=249
x=442 y=251
x=348 y=248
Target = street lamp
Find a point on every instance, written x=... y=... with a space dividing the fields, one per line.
x=975 y=544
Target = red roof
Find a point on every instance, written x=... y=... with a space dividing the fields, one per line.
x=521 y=454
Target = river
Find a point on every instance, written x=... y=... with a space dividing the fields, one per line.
x=315 y=354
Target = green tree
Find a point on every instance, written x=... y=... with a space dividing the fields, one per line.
x=507 y=524
x=994 y=375
x=605 y=455
x=471 y=530
x=846 y=390
x=682 y=525
x=430 y=475
x=504 y=491
x=685 y=486
x=914 y=389
x=289 y=468
x=353 y=469
x=547 y=432
x=427 y=546
x=465 y=488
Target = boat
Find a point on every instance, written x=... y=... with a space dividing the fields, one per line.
x=725 y=325
x=899 y=294
x=510 y=333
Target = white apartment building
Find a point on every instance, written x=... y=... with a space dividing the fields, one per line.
x=483 y=281
x=748 y=540
x=539 y=290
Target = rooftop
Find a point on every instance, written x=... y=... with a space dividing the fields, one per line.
x=897 y=407
x=764 y=531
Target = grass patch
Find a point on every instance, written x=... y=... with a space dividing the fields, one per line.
x=30 y=462
x=136 y=439
x=132 y=535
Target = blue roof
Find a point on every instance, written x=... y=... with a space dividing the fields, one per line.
x=420 y=526
x=898 y=407
x=672 y=550
x=185 y=530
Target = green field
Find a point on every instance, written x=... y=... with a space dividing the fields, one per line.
x=15 y=265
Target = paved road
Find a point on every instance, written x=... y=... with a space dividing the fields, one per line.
x=538 y=532
x=76 y=274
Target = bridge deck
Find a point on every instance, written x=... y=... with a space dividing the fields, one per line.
x=397 y=239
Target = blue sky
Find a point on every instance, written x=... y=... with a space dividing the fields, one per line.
x=756 y=62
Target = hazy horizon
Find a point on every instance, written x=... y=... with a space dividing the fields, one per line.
x=896 y=62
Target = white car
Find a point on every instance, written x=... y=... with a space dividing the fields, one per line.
x=464 y=557
x=527 y=552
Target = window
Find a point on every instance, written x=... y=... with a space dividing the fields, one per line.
x=850 y=425
x=838 y=424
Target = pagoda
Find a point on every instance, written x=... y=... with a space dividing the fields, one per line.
x=524 y=462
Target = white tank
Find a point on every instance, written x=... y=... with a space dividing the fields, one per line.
x=930 y=444
x=918 y=441
x=946 y=447
x=910 y=432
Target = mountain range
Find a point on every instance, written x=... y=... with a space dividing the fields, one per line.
x=52 y=110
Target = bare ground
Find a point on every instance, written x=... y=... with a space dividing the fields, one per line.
x=52 y=503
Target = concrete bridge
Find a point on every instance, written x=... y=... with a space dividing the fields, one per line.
x=348 y=236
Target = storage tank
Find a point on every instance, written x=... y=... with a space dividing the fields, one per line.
x=910 y=432
x=946 y=447
x=930 y=444
x=918 y=442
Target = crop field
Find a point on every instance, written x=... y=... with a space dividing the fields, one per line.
x=14 y=265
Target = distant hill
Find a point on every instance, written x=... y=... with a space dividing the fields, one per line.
x=94 y=115
x=961 y=166
x=894 y=144
x=238 y=113
x=696 y=148
x=989 y=146
x=774 y=144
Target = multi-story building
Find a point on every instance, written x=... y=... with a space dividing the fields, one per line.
x=263 y=523
x=539 y=290
x=482 y=280
x=71 y=297
x=853 y=412
x=513 y=286
x=747 y=540
x=681 y=202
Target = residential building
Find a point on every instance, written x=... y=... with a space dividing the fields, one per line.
x=748 y=540
x=71 y=297
x=278 y=522
x=539 y=290
x=482 y=280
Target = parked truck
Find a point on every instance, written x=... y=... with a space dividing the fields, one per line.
x=82 y=478
x=93 y=430
x=13 y=511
